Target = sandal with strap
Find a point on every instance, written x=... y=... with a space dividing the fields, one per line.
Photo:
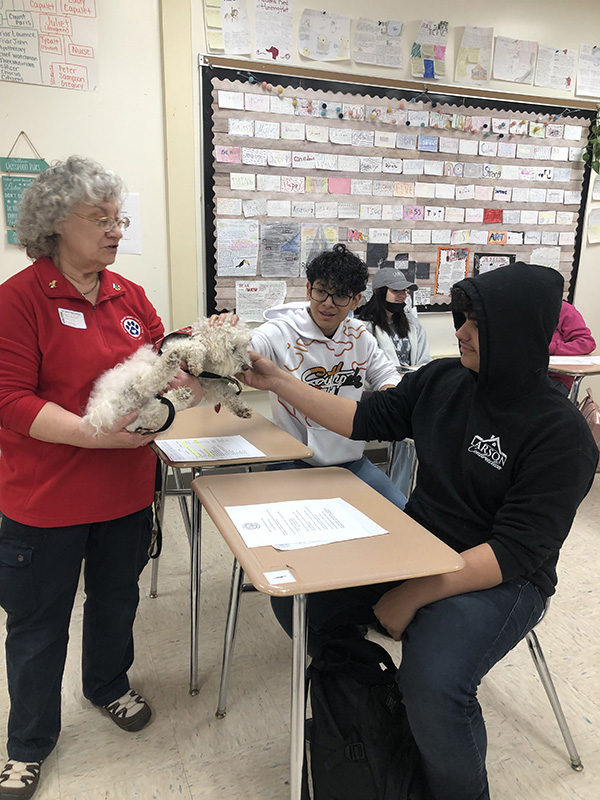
x=19 y=779
x=130 y=712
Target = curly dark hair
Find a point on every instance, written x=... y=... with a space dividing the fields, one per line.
x=374 y=311
x=339 y=269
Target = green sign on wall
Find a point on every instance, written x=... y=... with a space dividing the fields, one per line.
x=12 y=189
x=23 y=164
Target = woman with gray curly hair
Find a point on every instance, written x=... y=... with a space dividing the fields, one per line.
x=66 y=493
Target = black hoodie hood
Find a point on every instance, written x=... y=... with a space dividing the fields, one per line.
x=517 y=309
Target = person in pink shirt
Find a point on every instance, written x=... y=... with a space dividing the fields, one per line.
x=572 y=337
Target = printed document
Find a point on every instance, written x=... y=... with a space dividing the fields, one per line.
x=209 y=448
x=292 y=524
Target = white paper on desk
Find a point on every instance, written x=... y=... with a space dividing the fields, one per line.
x=301 y=523
x=579 y=360
x=209 y=448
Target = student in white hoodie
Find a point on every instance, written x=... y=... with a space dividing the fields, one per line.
x=319 y=343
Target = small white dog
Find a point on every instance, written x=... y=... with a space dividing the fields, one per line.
x=213 y=354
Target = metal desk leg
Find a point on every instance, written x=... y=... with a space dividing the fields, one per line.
x=298 y=713
x=575 y=389
x=195 y=571
x=235 y=594
x=183 y=506
x=164 y=470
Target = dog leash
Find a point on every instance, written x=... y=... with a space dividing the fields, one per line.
x=169 y=420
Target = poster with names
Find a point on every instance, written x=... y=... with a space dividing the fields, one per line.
x=49 y=43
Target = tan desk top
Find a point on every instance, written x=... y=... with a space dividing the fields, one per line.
x=277 y=445
x=575 y=369
x=408 y=551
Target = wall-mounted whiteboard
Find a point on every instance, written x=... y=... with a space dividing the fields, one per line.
x=438 y=186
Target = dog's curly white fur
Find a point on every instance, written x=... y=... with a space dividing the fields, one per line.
x=135 y=384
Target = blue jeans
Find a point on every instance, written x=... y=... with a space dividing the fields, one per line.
x=39 y=573
x=446 y=650
x=363 y=469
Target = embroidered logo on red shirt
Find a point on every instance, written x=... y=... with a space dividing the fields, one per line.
x=132 y=326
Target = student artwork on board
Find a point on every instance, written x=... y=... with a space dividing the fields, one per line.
x=273 y=30
x=323 y=36
x=378 y=42
x=428 y=52
x=237 y=247
x=555 y=68
x=474 y=60
x=452 y=266
x=235 y=27
x=486 y=262
x=588 y=70
x=386 y=176
x=253 y=298
x=514 y=60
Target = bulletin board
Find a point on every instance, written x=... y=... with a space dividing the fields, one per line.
x=439 y=186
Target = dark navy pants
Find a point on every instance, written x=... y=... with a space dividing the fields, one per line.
x=39 y=573
x=446 y=650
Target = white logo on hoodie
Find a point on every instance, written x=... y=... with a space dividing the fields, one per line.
x=489 y=450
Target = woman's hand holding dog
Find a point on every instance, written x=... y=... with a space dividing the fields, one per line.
x=55 y=424
x=117 y=437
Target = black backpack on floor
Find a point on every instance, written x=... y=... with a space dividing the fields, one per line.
x=360 y=746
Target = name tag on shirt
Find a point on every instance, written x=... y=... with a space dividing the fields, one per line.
x=73 y=319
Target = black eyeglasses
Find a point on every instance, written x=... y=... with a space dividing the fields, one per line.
x=340 y=300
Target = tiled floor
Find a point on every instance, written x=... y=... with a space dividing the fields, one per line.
x=188 y=754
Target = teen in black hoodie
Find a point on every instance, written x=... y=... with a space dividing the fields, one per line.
x=504 y=461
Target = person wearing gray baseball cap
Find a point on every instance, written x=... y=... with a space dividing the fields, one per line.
x=399 y=334
x=394 y=324
x=392 y=278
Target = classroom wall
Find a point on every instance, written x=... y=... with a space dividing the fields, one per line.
x=144 y=123
x=120 y=125
x=551 y=22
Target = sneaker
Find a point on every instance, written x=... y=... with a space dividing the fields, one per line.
x=19 y=779
x=130 y=712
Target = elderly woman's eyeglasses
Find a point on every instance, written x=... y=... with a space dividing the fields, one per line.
x=106 y=224
x=340 y=300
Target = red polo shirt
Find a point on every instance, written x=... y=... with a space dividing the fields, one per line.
x=53 y=345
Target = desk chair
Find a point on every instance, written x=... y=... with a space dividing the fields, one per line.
x=540 y=662
x=533 y=643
